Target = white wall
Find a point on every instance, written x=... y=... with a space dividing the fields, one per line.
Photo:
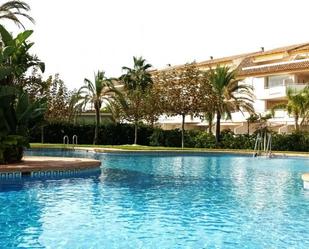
x=258 y=89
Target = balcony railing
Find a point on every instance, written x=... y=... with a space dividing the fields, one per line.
x=279 y=91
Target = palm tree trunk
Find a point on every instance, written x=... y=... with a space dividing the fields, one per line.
x=210 y=128
x=248 y=122
x=97 y=124
x=42 y=134
x=135 y=132
x=183 y=131
x=296 y=123
x=218 y=127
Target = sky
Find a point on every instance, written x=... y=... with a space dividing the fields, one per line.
x=75 y=38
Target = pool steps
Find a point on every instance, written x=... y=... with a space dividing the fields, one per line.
x=305 y=178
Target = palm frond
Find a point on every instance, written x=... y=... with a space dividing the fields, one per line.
x=12 y=10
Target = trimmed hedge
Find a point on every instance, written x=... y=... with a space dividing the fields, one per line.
x=109 y=134
x=117 y=134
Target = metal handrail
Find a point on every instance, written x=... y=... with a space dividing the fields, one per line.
x=263 y=145
x=66 y=140
x=268 y=148
x=74 y=140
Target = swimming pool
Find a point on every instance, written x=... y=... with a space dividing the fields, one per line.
x=161 y=201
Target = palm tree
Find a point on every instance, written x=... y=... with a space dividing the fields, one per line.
x=229 y=95
x=209 y=117
x=12 y=10
x=251 y=119
x=136 y=81
x=297 y=105
x=95 y=93
x=75 y=105
x=137 y=78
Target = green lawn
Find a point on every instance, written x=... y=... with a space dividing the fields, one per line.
x=117 y=147
x=128 y=147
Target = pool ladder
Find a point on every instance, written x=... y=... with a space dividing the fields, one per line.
x=263 y=145
x=74 y=140
x=66 y=141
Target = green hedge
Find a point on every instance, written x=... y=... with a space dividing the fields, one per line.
x=109 y=134
x=117 y=134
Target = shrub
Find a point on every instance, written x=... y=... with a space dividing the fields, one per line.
x=157 y=138
x=167 y=138
x=109 y=133
x=190 y=138
x=292 y=142
x=205 y=140
x=117 y=134
x=12 y=148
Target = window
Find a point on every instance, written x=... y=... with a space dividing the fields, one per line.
x=278 y=80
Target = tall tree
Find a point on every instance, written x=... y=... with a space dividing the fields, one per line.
x=229 y=94
x=183 y=92
x=95 y=93
x=58 y=100
x=297 y=105
x=152 y=105
x=75 y=105
x=138 y=77
x=13 y=10
x=34 y=85
x=137 y=82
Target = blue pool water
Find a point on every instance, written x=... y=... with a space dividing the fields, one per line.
x=167 y=201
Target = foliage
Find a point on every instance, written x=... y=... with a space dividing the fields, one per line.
x=205 y=140
x=95 y=93
x=138 y=77
x=15 y=59
x=12 y=10
x=209 y=116
x=229 y=94
x=133 y=102
x=253 y=118
x=58 y=100
x=34 y=85
x=298 y=141
x=17 y=113
x=152 y=105
x=11 y=148
x=109 y=133
x=229 y=140
x=119 y=134
x=183 y=92
x=297 y=105
x=167 y=138
x=75 y=105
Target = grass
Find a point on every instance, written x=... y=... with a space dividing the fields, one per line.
x=117 y=147
x=128 y=147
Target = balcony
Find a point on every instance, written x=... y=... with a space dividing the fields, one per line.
x=279 y=91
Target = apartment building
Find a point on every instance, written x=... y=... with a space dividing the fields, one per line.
x=270 y=73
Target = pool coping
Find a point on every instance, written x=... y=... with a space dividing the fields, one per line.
x=31 y=164
x=275 y=154
x=246 y=153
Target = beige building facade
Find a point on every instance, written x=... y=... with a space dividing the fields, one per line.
x=270 y=73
